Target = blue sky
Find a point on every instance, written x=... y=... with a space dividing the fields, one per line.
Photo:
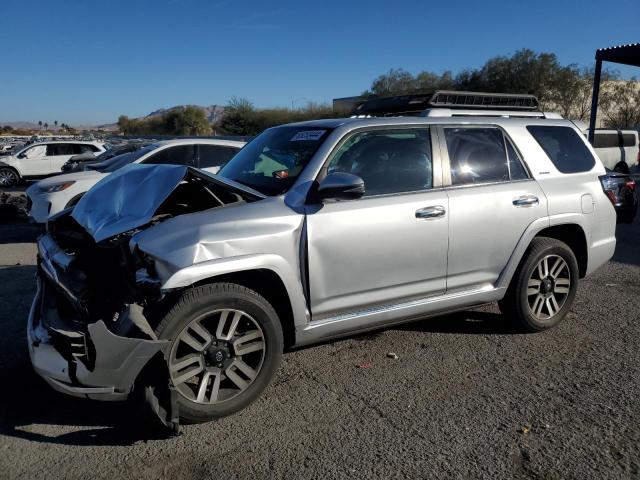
x=88 y=61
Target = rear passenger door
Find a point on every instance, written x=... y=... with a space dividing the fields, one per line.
x=213 y=157
x=58 y=154
x=492 y=201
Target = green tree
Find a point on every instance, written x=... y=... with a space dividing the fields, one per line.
x=620 y=104
x=191 y=120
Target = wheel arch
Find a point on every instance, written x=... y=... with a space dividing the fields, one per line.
x=571 y=233
x=270 y=285
x=574 y=236
x=74 y=200
x=11 y=167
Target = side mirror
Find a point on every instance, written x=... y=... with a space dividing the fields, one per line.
x=341 y=185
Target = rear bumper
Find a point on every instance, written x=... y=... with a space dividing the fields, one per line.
x=94 y=364
x=600 y=253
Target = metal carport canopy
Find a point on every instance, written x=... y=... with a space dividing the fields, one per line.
x=622 y=54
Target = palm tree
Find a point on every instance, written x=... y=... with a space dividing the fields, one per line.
x=46 y=125
x=55 y=122
x=40 y=124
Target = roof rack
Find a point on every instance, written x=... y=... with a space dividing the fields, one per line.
x=478 y=103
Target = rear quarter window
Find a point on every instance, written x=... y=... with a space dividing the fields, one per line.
x=564 y=147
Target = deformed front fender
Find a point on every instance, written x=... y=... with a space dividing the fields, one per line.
x=213 y=268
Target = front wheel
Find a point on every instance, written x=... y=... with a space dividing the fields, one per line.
x=226 y=344
x=8 y=177
x=544 y=286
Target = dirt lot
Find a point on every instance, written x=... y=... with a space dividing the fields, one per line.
x=467 y=398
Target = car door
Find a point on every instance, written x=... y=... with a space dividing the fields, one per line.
x=173 y=155
x=390 y=245
x=34 y=161
x=58 y=154
x=213 y=157
x=492 y=201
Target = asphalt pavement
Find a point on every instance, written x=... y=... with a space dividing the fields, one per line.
x=466 y=397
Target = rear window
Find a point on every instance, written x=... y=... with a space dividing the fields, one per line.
x=564 y=147
x=628 y=140
x=606 y=140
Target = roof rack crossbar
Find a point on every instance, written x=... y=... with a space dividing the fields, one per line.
x=415 y=103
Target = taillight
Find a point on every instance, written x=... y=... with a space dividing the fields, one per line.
x=631 y=185
x=610 y=187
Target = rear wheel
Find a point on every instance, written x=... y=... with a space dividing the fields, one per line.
x=544 y=286
x=8 y=177
x=226 y=343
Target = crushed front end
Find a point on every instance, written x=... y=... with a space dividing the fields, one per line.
x=87 y=330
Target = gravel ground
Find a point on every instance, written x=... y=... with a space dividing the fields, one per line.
x=466 y=398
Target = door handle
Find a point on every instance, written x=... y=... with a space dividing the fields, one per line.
x=431 y=212
x=526 y=201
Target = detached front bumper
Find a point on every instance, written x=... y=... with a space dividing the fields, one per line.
x=84 y=361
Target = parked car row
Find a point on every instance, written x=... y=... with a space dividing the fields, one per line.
x=42 y=159
x=188 y=286
x=52 y=195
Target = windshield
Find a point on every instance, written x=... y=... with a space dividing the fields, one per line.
x=120 y=161
x=272 y=161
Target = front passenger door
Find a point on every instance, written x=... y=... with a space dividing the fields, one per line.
x=34 y=161
x=383 y=248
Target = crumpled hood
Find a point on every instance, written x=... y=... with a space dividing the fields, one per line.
x=129 y=197
x=126 y=199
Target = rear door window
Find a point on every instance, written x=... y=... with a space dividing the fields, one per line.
x=564 y=147
x=55 y=149
x=178 y=155
x=214 y=155
x=482 y=155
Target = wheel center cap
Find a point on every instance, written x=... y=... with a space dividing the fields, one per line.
x=217 y=355
x=547 y=286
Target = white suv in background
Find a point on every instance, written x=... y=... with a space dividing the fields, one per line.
x=52 y=195
x=42 y=159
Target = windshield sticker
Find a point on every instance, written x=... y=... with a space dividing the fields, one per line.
x=307 y=135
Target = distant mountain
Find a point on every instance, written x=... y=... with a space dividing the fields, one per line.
x=213 y=113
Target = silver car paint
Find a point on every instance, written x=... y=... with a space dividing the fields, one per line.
x=354 y=283
x=488 y=236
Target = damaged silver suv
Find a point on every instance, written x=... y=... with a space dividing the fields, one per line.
x=190 y=285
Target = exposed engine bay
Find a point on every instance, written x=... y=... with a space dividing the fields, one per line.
x=101 y=294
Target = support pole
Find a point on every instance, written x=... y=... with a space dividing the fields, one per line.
x=594 y=99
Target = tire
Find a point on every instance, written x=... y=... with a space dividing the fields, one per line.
x=226 y=363
x=622 y=167
x=534 y=312
x=8 y=177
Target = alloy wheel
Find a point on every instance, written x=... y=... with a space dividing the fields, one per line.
x=217 y=356
x=548 y=287
x=7 y=178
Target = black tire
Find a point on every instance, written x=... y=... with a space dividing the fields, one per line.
x=622 y=167
x=8 y=177
x=515 y=304
x=196 y=302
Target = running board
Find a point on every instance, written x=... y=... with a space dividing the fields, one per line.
x=386 y=315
